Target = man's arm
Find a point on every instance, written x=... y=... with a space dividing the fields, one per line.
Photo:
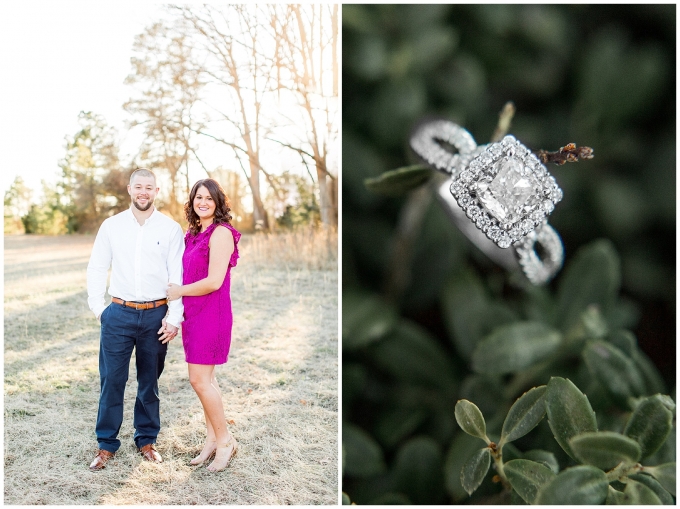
x=97 y=269
x=174 y=266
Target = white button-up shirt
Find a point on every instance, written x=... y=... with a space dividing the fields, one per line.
x=143 y=260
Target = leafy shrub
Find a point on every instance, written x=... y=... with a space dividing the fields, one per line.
x=603 y=457
x=574 y=337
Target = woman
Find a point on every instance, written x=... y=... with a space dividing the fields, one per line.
x=210 y=252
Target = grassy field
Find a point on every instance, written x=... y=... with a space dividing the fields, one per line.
x=279 y=386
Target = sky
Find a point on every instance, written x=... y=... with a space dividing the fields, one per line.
x=57 y=59
x=61 y=58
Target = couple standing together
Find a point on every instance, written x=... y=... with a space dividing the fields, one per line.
x=159 y=280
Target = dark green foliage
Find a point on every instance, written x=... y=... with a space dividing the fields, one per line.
x=576 y=485
x=363 y=457
x=604 y=449
x=569 y=412
x=417 y=471
x=526 y=477
x=569 y=71
x=474 y=471
x=524 y=415
x=614 y=370
x=514 y=347
x=666 y=475
x=664 y=496
x=650 y=425
x=470 y=419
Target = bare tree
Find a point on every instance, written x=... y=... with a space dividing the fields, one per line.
x=168 y=86
x=308 y=53
x=237 y=60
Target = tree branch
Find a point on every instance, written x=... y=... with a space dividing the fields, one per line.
x=567 y=154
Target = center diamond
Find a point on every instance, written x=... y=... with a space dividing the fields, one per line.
x=512 y=192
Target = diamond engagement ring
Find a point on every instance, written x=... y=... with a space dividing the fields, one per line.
x=500 y=196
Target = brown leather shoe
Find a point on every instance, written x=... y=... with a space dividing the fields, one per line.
x=150 y=454
x=100 y=459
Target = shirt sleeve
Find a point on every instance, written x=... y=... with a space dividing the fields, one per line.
x=97 y=270
x=174 y=266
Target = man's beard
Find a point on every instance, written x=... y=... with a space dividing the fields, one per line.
x=140 y=208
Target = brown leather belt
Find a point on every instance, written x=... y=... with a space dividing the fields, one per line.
x=140 y=305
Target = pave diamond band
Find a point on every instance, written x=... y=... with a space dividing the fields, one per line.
x=499 y=192
x=536 y=270
x=426 y=140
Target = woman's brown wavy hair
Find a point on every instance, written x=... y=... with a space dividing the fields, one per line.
x=221 y=205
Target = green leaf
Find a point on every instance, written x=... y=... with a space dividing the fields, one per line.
x=515 y=499
x=624 y=340
x=576 y=485
x=468 y=313
x=655 y=486
x=650 y=425
x=417 y=471
x=594 y=324
x=604 y=449
x=462 y=447
x=470 y=419
x=650 y=374
x=395 y=423
x=514 y=347
x=412 y=355
x=544 y=457
x=638 y=494
x=592 y=277
x=667 y=453
x=474 y=470
x=363 y=456
x=484 y=391
x=665 y=474
x=615 y=497
x=399 y=181
x=526 y=477
x=524 y=415
x=345 y=499
x=365 y=318
x=569 y=412
x=615 y=371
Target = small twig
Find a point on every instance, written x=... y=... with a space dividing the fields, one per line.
x=497 y=455
x=568 y=154
x=504 y=120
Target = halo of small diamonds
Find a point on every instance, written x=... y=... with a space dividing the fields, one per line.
x=506 y=191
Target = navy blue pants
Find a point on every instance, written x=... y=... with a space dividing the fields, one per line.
x=122 y=330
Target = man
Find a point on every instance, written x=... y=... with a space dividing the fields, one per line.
x=144 y=249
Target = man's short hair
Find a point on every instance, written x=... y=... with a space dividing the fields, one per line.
x=142 y=172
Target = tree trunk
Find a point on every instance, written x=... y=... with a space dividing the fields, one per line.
x=260 y=221
x=327 y=202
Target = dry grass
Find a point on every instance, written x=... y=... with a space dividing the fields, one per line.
x=279 y=387
x=303 y=248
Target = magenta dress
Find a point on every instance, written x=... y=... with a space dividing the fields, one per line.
x=206 y=330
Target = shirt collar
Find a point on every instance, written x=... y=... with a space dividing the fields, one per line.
x=149 y=219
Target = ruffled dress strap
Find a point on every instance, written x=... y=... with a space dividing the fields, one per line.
x=202 y=238
x=237 y=237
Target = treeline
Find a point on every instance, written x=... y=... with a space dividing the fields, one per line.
x=250 y=80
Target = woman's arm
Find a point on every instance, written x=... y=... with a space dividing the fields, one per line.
x=221 y=247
